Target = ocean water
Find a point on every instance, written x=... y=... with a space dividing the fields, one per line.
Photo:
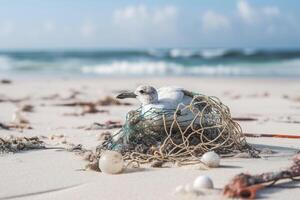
x=153 y=62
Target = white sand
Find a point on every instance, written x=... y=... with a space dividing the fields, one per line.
x=50 y=174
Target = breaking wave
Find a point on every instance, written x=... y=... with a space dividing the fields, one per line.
x=176 y=62
x=290 y=68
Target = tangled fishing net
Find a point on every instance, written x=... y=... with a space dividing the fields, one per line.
x=179 y=135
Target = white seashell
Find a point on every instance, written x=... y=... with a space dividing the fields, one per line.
x=202 y=182
x=17 y=118
x=211 y=159
x=111 y=162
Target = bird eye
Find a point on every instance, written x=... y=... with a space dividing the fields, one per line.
x=142 y=91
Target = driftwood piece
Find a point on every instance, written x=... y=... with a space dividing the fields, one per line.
x=102 y=126
x=107 y=101
x=246 y=185
x=244 y=119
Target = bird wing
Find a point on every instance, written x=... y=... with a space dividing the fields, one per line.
x=172 y=96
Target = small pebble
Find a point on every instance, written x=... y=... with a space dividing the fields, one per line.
x=64 y=141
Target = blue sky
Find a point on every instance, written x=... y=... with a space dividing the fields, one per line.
x=55 y=24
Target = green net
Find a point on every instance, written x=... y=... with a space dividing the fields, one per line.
x=181 y=134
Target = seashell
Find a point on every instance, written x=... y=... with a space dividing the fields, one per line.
x=203 y=182
x=111 y=162
x=211 y=159
x=17 y=118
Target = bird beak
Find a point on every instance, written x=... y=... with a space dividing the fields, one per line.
x=125 y=95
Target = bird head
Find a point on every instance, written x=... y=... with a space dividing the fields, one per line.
x=145 y=94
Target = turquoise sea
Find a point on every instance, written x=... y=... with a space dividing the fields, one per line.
x=153 y=62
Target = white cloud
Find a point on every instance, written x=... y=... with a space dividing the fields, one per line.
x=141 y=22
x=212 y=21
x=251 y=14
x=140 y=13
x=131 y=13
x=247 y=13
x=88 y=29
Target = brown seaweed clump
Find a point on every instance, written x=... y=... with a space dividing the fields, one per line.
x=14 y=144
x=109 y=101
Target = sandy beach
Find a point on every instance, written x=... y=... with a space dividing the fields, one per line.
x=272 y=106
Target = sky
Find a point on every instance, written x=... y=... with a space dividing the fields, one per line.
x=89 y=24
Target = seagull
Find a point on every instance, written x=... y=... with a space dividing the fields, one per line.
x=168 y=100
x=165 y=98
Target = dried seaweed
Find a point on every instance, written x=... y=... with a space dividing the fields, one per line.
x=16 y=144
x=245 y=186
x=87 y=109
x=26 y=108
x=109 y=101
x=19 y=126
x=13 y=100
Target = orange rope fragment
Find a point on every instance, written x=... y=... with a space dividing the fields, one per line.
x=272 y=135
